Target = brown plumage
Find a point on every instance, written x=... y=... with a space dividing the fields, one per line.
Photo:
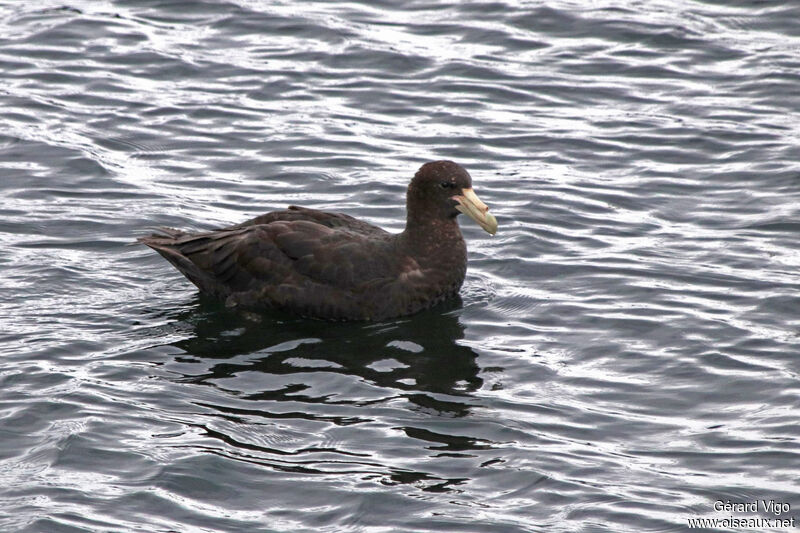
x=333 y=266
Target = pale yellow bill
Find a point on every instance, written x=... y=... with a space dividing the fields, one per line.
x=471 y=205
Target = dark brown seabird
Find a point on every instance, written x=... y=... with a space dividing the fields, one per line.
x=333 y=266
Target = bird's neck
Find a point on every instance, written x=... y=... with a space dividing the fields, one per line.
x=434 y=238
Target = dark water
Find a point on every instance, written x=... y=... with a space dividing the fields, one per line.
x=626 y=349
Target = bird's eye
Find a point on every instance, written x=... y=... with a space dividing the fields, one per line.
x=447 y=185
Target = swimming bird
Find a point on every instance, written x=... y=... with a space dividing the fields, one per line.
x=333 y=266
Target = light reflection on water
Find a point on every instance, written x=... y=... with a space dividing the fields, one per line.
x=623 y=352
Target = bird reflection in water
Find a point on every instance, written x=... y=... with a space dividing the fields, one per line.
x=415 y=356
x=309 y=397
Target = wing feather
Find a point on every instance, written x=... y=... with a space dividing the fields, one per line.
x=308 y=261
x=323 y=218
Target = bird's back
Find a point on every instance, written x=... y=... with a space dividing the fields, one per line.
x=330 y=220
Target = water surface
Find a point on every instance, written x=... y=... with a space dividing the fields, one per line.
x=623 y=355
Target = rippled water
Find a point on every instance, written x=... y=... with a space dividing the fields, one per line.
x=626 y=349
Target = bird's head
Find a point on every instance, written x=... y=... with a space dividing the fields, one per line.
x=443 y=189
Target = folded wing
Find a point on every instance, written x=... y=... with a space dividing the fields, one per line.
x=311 y=262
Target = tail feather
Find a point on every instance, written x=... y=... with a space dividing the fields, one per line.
x=167 y=247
